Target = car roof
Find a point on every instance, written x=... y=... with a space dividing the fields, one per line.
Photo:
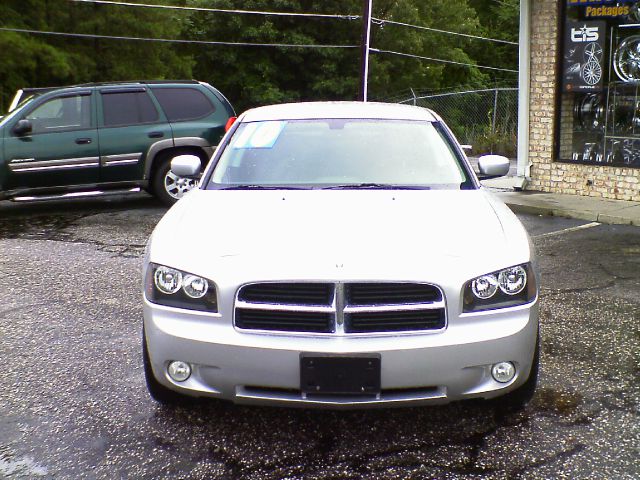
x=312 y=110
x=122 y=84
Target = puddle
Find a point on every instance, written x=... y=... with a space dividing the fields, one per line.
x=19 y=467
x=557 y=401
x=37 y=228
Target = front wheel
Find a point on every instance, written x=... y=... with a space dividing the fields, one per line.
x=169 y=187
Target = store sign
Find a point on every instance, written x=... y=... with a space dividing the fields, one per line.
x=585 y=34
x=615 y=11
x=598 y=112
x=603 y=8
x=578 y=3
x=583 y=55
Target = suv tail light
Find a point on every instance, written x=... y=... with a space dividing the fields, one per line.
x=230 y=122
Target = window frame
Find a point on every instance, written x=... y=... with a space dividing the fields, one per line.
x=37 y=102
x=155 y=89
x=112 y=91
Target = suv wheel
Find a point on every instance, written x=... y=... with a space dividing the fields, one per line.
x=167 y=186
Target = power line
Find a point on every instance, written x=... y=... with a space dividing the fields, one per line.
x=220 y=10
x=440 y=60
x=169 y=40
x=242 y=44
x=380 y=21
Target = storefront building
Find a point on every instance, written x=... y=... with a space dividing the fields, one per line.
x=579 y=117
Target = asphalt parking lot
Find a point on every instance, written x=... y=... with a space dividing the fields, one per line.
x=73 y=403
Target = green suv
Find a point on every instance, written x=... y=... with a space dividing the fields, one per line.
x=108 y=137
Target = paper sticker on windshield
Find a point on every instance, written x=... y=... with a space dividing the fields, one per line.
x=260 y=135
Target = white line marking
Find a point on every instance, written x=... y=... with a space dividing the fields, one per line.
x=567 y=230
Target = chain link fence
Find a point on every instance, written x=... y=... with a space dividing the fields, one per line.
x=486 y=119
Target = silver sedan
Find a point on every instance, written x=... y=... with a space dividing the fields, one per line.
x=340 y=255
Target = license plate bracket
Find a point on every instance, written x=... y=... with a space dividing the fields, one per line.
x=340 y=375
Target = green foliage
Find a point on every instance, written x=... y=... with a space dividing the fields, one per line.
x=502 y=141
x=250 y=75
x=253 y=76
x=30 y=60
x=403 y=73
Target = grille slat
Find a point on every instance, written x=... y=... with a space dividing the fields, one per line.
x=284 y=321
x=367 y=307
x=391 y=293
x=394 y=321
x=288 y=293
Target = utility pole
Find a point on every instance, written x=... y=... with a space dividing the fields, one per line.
x=364 y=50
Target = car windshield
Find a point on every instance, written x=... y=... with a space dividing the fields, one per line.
x=338 y=153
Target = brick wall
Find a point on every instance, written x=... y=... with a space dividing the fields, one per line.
x=546 y=174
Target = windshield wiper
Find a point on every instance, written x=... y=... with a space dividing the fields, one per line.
x=250 y=186
x=375 y=186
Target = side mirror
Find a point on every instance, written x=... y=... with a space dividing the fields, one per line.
x=186 y=166
x=23 y=127
x=492 y=166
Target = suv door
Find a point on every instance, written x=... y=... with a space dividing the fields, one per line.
x=62 y=147
x=129 y=124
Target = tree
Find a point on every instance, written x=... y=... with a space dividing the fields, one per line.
x=392 y=73
x=499 y=19
x=31 y=60
x=250 y=75
x=254 y=75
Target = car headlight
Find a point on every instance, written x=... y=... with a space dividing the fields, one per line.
x=175 y=288
x=505 y=288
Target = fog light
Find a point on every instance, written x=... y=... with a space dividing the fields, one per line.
x=503 y=372
x=179 y=371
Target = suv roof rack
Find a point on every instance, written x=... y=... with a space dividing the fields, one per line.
x=131 y=82
x=23 y=92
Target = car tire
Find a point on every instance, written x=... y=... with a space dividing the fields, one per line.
x=520 y=397
x=158 y=392
x=166 y=186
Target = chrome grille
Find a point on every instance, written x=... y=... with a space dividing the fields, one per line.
x=337 y=308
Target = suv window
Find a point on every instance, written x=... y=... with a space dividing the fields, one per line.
x=127 y=108
x=61 y=113
x=183 y=103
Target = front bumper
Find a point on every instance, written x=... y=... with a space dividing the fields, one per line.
x=258 y=368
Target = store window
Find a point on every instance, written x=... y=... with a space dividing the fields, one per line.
x=599 y=111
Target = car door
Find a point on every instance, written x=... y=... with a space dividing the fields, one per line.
x=129 y=124
x=62 y=147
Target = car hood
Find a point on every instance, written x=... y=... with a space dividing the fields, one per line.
x=360 y=233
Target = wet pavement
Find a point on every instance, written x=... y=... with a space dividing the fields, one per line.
x=73 y=403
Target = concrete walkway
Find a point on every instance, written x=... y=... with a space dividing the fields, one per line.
x=572 y=206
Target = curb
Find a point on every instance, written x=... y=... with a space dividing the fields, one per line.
x=610 y=219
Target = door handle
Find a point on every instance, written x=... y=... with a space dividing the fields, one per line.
x=155 y=134
x=82 y=141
